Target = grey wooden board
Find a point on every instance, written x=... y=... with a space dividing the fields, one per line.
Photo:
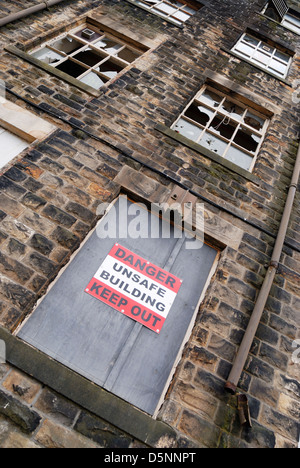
x=105 y=346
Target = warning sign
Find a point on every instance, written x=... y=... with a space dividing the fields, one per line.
x=135 y=287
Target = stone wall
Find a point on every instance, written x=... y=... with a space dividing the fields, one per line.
x=50 y=195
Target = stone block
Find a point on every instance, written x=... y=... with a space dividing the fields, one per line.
x=199 y=429
x=22 y=386
x=52 y=435
x=25 y=418
x=101 y=432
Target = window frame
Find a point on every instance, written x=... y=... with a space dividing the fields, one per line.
x=106 y=56
x=283 y=21
x=238 y=122
x=170 y=18
x=261 y=43
x=107 y=26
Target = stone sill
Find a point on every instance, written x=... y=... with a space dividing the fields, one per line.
x=85 y=393
x=209 y=154
x=52 y=71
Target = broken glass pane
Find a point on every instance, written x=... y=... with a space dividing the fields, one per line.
x=188 y=130
x=223 y=126
x=254 y=121
x=109 y=69
x=67 y=45
x=71 y=68
x=232 y=110
x=48 y=56
x=247 y=140
x=239 y=158
x=199 y=114
x=89 y=57
x=92 y=79
x=110 y=46
x=211 y=98
x=128 y=55
x=213 y=143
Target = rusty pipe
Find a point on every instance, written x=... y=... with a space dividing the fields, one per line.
x=28 y=11
x=244 y=349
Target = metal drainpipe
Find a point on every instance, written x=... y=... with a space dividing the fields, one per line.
x=28 y=11
x=239 y=363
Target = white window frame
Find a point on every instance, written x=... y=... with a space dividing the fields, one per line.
x=262 y=48
x=107 y=55
x=289 y=23
x=240 y=124
x=164 y=9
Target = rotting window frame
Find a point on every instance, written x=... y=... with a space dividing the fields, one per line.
x=88 y=22
x=107 y=56
x=230 y=143
x=256 y=63
x=188 y=3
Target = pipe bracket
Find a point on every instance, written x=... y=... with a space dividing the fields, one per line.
x=274 y=264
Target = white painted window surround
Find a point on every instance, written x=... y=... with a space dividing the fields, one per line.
x=18 y=129
x=10 y=146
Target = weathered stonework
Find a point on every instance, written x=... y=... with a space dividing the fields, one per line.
x=120 y=140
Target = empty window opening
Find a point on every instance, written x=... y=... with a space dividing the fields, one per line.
x=264 y=55
x=92 y=56
x=223 y=125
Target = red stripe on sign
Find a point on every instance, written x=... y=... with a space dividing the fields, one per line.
x=125 y=305
x=146 y=268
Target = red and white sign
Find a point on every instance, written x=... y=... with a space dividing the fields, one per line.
x=135 y=287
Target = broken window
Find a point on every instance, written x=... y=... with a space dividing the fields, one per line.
x=264 y=55
x=89 y=55
x=177 y=11
x=224 y=126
